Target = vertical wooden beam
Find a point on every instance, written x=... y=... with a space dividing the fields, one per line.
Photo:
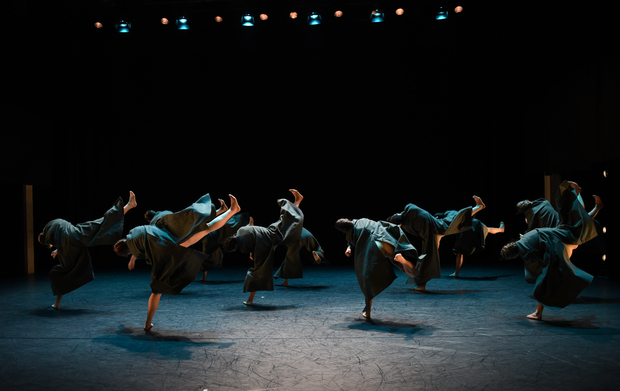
x=28 y=230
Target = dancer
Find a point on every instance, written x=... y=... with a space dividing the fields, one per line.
x=431 y=229
x=538 y=213
x=261 y=242
x=72 y=242
x=378 y=245
x=291 y=266
x=165 y=246
x=546 y=252
x=212 y=243
x=472 y=241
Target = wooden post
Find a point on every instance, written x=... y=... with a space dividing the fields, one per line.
x=28 y=230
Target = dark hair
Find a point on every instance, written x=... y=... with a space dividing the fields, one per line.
x=344 y=225
x=522 y=206
x=395 y=219
x=510 y=251
x=149 y=214
x=121 y=249
x=230 y=245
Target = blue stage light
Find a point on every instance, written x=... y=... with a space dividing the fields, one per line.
x=247 y=20
x=377 y=16
x=314 y=19
x=441 y=15
x=123 y=27
x=182 y=23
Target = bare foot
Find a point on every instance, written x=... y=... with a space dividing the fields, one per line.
x=223 y=207
x=502 y=227
x=132 y=202
x=479 y=202
x=366 y=314
x=248 y=302
x=535 y=316
x=234 y=205
x=251 y=223
x=455 y=275
x=285 y=283
x=297 y=195
x=147 y=328
x=317 y=259
x=420 y=288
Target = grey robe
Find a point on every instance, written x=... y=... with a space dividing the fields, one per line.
x=291 y=266
x=374 y=271
x=417 y=221
x=557 y=280
x=173 y=267
x=72 y=242
x=262 y=242
x=211 y=244
x=541 y=215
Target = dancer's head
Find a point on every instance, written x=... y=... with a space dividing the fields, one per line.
x=149 y=215
x=231 y=244
x=524 y=205
x=344 y=225
x=395 y=219
x=510 y=251
x=121 y=249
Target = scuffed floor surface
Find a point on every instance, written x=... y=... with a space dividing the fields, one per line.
x=463 y=334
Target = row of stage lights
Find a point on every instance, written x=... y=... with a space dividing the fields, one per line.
x=248 y=20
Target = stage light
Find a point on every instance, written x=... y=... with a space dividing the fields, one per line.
x=218 y=19
x=164 y=21
x=247 y=20
x=123 y=27
x=441 y=15
x=182 y=23
x=338 y=14
x=400 y=11
x=98 y=25
x=377 y=16
x=293 y=15
x=263 y=17
x=314 y=19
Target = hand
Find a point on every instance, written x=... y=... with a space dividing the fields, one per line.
x=251 y=257
x=348 y=252
x=54 y=253
x=132 y=263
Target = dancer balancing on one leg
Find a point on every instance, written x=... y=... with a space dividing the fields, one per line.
x=166 y=247
x=260 y=243
x=377 y=246
x=431 y=229
x=472 y=241
x=546 y=252
x=72 y=242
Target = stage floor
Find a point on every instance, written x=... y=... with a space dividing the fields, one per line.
x=463 y=334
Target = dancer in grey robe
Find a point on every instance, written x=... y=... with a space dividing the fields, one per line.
x=472 y=241
x=72 y=243
x=165 y=246
x=538 y=214
x=377 y=247
x=430 y=229
x=261 y=242
x=546 y=252
x=291 y=266
x=212 y=243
